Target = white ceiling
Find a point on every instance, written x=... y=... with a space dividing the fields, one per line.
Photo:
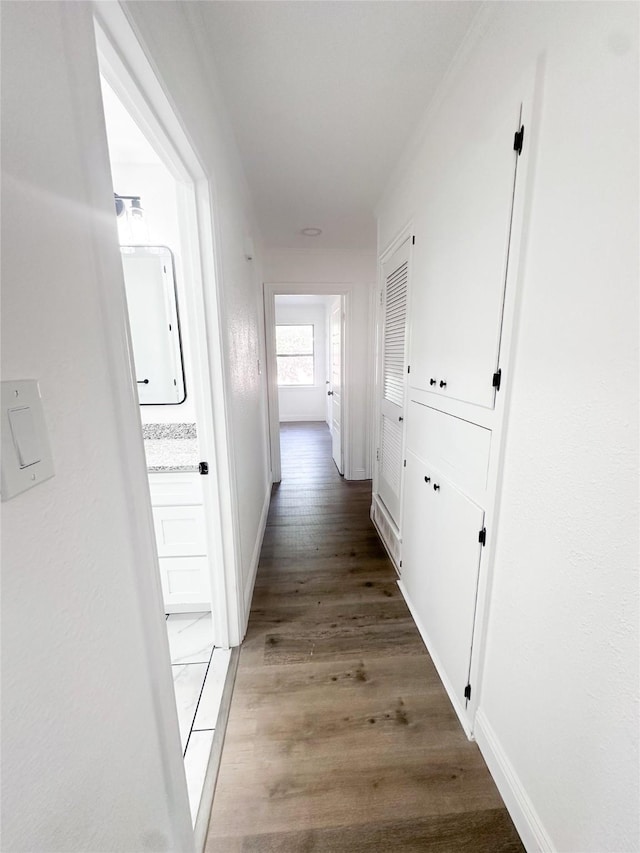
x=323 y=96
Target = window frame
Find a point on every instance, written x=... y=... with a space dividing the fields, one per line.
x=311 y=355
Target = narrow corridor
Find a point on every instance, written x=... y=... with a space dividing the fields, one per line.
x=341 y=737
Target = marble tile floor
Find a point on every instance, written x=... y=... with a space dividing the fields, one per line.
x=199 y=672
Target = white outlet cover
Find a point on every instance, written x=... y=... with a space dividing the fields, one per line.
x=26 y=452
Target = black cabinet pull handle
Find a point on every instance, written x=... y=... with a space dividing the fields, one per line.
x=427 y=479
x=329 y=393
x=400 y=418
x=436 y=487
x=432 y=382
x=443 y=384
x=142 y=381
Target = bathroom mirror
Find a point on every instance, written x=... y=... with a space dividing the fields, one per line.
x=152 y=300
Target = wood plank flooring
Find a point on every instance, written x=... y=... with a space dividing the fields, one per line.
x=341 y=738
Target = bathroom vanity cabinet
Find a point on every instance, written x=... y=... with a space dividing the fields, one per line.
x=178 y=515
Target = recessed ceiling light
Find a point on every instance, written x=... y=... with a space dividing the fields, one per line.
x=311 y=232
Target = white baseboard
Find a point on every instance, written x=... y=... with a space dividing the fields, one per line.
x=453 y=697
x=255 y=557
x=387 y=530
x=308 y=418
x=520 y=807
x=359 y=474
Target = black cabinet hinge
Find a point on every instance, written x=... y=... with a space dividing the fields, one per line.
x=467 y=692
x=404 y=465
x=413 y=240
x=408 y=368
x=203 y=467
x=518 y=140
x=482 y=536
x=400 y=564
x=497 y=379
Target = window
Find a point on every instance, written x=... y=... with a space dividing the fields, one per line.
x=294 y=354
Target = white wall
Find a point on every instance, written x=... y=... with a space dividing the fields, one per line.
x=306 y=267
x=84 y=702
x=558 y=704
x=175 y=47
x=306 y=403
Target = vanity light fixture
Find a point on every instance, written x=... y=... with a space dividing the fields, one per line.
x=134 y=208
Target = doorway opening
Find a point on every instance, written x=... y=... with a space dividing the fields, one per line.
x=161 y=205
x=306 y=346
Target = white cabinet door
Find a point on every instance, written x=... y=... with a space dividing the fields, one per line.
x=180 y=531
x=440 y=565
x=178 y=516
x=459 y=260
x=185 y=580
x=393 y=379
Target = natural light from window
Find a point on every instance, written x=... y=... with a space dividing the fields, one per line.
x=294 y=354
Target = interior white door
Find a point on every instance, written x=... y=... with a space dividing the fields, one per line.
x=335 y=392
x=440 y=565
x=459 y=261
x=393 y=379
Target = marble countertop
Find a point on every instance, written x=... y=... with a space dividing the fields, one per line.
x=171 y=447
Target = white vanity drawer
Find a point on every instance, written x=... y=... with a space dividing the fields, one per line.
x=180 y=530
x=458 y=448
x=179 y=488
x=185 y=580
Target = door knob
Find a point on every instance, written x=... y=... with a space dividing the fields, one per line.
x=432 y=382
x=427 y=479
x=436 y=487
x=400 y=418
x=443 y=384
x=329 y=393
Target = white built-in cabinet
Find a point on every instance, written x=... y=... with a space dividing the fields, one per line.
x=178 y=516
x=443 y=530
x=460 y=312
x=459 y=264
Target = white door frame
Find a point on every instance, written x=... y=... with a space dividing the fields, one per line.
x=272 y=290
x=143 y=97
x=337 y=304
x=127 y=69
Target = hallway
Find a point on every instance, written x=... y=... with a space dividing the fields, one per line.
x=341 y=737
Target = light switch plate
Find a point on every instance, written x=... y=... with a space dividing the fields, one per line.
x=26 y=453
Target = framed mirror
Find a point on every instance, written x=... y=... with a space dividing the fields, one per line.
x=152 y=300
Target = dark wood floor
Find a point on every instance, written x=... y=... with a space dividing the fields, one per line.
x=341 y=738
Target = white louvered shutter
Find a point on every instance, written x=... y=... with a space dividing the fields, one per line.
x=396 y=276
x=395 y=317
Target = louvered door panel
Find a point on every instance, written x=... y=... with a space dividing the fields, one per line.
x=391 y=454
x=395 y=318
x=393 y=379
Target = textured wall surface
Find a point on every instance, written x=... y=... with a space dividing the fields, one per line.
x=82 y=763
x=560 y=685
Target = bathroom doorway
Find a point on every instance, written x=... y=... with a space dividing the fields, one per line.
x=161 y=223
